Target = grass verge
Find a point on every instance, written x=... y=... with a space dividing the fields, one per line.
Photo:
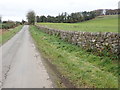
x=9 y=34
x=83 y=69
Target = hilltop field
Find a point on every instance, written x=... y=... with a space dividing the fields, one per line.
x=107 y=23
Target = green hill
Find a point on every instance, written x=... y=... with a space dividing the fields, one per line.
x=107 y=23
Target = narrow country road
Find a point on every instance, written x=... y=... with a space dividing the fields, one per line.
x=22 y=66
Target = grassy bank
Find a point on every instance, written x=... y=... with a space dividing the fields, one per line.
x=83 y=69
x=9 y=34
x=99 y=24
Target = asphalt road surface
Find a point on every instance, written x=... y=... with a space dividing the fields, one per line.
x=22 y=65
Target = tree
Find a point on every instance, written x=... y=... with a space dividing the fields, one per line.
x=31 y=17
x=23 y=22
x=65 y=17
x=50 y=19
x=38 y=18
x=43 y=19
x=68 y=18
x=0 y=19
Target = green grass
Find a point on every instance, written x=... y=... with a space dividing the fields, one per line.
x=99 y=24
x=80 y=67
x=7 y=35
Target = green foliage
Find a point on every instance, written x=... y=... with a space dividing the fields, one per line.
x=99 y=24
x=77 y=16
x=80 y=67
x=31 y=17
x=67 y=18
x=8 y=25
x=0 y=19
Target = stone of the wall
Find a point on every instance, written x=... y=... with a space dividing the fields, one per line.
x=95 y=41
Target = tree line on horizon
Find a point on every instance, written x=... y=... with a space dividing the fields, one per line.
x=70 y=18
x=67 y=18
x=76 y=17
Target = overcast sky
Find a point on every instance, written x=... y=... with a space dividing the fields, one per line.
x=16 y=9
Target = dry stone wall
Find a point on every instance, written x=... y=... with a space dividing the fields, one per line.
x=93 y=41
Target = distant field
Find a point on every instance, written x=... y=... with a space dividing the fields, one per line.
x=99 y=24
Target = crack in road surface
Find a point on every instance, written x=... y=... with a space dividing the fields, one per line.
x=22 y=66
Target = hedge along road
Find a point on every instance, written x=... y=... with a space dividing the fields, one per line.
x=22 y=66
